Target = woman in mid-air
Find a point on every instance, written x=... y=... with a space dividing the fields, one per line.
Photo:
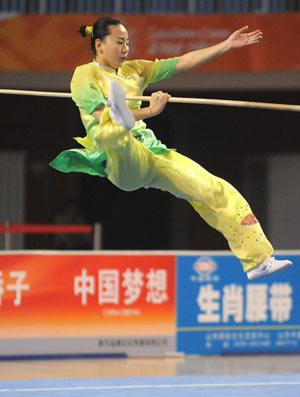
x=119 y=146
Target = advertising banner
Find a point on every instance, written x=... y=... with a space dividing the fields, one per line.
x=219 y=311
x=56 y=303
x=63 y=303
x=52 y=42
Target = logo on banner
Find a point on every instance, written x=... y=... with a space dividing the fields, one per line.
x=205 y=268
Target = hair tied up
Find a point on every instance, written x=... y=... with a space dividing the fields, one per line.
x=86 y=30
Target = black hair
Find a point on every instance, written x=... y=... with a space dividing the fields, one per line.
x=100 y=30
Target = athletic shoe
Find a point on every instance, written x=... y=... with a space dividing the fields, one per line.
x=119 y=111
x=268 y=266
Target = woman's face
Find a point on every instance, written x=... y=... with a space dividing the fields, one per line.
x=114 y=49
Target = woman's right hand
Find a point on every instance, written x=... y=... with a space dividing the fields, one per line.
x=158 y=102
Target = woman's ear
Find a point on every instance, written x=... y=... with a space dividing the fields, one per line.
x=98 y=44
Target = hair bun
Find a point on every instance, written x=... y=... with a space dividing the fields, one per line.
x=86 y=30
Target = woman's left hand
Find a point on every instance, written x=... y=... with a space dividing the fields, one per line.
x=240 y=38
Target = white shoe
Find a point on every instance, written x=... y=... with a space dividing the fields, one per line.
x=268 y=266
x=119 y=111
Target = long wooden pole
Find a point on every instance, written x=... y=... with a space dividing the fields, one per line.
x=197 y=101
x=226 y=102
x=36 y=93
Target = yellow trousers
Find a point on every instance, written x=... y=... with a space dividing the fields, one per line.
x=130 y=166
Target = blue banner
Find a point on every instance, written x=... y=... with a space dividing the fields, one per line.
x=219 y=311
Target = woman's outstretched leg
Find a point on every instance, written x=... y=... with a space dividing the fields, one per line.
x=221 y=206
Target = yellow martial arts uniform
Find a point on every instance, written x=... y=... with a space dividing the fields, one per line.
x=135 y=159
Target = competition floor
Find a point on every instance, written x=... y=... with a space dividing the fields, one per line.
x=167 y=377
